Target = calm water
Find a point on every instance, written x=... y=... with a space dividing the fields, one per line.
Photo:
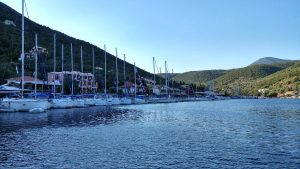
x=219 y=134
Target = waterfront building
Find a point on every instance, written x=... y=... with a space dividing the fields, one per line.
x=88 y=79
x=13 y=85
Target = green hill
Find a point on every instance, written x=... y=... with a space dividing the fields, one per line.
x=199 y=77
x=10 y=49
x=243 y=80
x=282 y=81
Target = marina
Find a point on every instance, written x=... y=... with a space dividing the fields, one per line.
x=149 y=84
x=30 y=100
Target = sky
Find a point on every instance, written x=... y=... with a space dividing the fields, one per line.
x=188 y=34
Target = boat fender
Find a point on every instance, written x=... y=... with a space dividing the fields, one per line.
x=36 y=110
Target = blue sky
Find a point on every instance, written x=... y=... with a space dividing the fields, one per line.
x=189 y=34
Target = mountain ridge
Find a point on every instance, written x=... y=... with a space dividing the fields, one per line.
x=269 y=60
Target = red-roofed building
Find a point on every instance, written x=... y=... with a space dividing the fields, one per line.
x=13 y=85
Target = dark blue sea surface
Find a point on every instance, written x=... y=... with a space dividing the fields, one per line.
x=209 y=134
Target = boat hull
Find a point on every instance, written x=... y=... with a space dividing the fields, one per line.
x=100 y=102
x=113 y=101
x=78 y=103
x=125 y=101
x=23 y=105
x=61 y=103
x=89 y=102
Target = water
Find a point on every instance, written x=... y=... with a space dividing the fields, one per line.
x=218 y=134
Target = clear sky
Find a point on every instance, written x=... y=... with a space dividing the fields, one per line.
x=189 y=34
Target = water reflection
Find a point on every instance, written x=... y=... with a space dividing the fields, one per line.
x=66 y=117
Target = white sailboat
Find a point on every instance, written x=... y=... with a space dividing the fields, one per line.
x=116 y=100
x=79 y=102
x=92 y=101
x=137 y=99
x=75 y=102
x=23 y=104
x=97 y=101
x=109 y=99
x=103 y=101
x=61 y=103
x=87 y=101
x=126 y=99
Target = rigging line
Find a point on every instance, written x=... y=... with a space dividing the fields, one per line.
x=156 y=65
x=36 y=51
x=26 y=9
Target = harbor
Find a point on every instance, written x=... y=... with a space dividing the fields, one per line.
x=149 y=84
x=75 y=88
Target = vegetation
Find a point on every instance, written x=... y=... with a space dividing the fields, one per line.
x=242 y=81
x=283 y=81
x=10 y=50
x=277 y=77
x=199 y=77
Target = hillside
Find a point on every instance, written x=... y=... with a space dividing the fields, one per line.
x=10 y=49
x=269 y=61
x=242 y=81
x=282 y=81
x=199 y=77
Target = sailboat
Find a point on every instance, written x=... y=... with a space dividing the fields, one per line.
x=102 y=100
x=92 y=101
x=115 y=100
x=126 y=99
x=60 y=103
x=76 y=102
x=79 y=102
x=98 y=101
x=24 y=104
x=137 y=99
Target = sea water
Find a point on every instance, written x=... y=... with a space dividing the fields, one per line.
x=209 y=134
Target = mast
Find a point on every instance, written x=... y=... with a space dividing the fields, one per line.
x=22 y=54
x=125 y=75
x=134 y=68
x=117 y=72
x=154 y=71
x=160 y=76
x=72 y=88
x=173 y=82
x=62 y=69
x=94 y=71
x=196 y=91
x=54 y=62
x=188 y=90
x=105 y=69
x=81 y=71
x=166 y=77
x=35 y=74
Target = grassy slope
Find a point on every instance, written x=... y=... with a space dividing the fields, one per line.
x=245 y=78
x=199 y=76
x=285 y=80
x=230 y=80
